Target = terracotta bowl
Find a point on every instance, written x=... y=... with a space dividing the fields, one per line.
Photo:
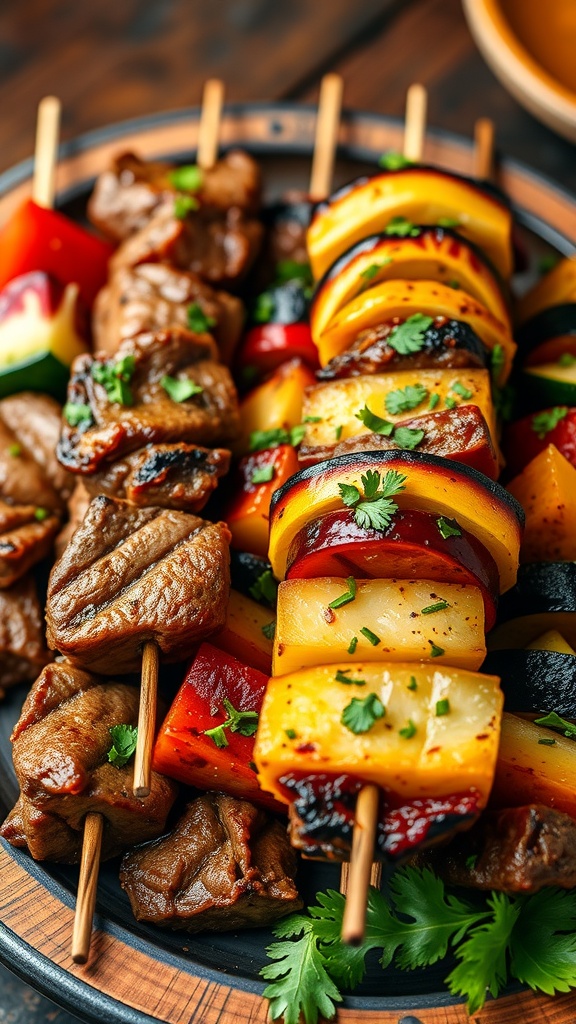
x=530 y=46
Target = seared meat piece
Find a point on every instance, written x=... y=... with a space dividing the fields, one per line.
x=27 y=533
x=23 y=651
x=61 y=745
x=135 y=574
x=156 y=297
x=448 y=345
x=287 y=222
x=125 y=197
x=219 y=247
x=77 y=508
x=518 y=849
x=180 y=476
x=209 y=417
x=226 y=865
x=34 y=421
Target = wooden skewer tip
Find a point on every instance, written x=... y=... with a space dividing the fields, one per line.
x=326 y=136
x=46 y=151
x=209 y=128
x=87 y=887
x=146 y=720
x=360 y=872
x=484 y=149
x=415 y=123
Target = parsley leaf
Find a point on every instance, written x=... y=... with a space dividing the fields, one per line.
x=409 y=336
x=362 y=713
x=408 y=438
x=300 y=985
x=442 y=706
x=342 y=676
x=263 y=474
x=393 y=161
x=264 y=307
x=405 y=399
x=408 y=731
x=348 y=594
x=448 y=222
x=543 y=943
x=197 y=320
x=497 y=361
x=459 y=388
x=183 y=205
x=244 y=722
x=179 y=389
x=261 y=439
x=402 y=228
x=77 y=415
x=292 y=270
x=114 y=376
x=448 y=527
x=434 y=399
x=264 y=589
x=14 y=450
x=269 y=629
x=374 y=423
x=554 y=721
x=124 y=738
x=544 y=422
x=375 y=509
x=371 y=272
x=187 y=179
x=40 y=514
x=436 y=652
x=482 y=955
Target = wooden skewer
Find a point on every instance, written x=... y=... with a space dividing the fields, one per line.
x=87 y=886
x=46 y=151
x=209 y=130
x=363 y=841
x=326 y=138
x=415 y=123
x=484 y=149
x=146 y=720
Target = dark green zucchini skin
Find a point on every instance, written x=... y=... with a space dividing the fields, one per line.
x=540 y=587
x=540 y=681
x=550 y=323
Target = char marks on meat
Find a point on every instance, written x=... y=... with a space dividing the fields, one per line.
x=130 y=575
x=179 y=476
x=61 y=745
x=77 y=508
x=156 y=297
x=23 y=652
x=517 y=849
x=210 y=417
x=226 y=865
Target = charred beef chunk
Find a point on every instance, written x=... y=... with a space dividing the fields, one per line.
x=517 y=849
x=106 y=430
x=126 y=196
x=60 y=749
x=287 y=222
x=226 y=865
x=134 y=574
x=23 y=652
x=448 y=344
x=27 y=533
x=219 y=247
x=180 y=476
x=77 y=508
x=156 y=297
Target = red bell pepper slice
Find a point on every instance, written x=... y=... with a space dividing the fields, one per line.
x=36 y=238
x=248 y=513
x=267 y=346
x=184 y=751
x=529 y=436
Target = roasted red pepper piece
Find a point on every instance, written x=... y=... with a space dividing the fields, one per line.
x=267 y=346
x=183 y=751
x=249 y=511
x=526 y=438
x=36 y=238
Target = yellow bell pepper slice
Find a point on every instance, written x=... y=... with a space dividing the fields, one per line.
x=557 y=288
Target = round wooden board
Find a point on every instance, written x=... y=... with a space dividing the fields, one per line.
x=139 y=974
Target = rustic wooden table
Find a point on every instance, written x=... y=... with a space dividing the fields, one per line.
x=123 y=58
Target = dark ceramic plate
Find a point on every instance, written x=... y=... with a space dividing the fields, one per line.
x=139 y=974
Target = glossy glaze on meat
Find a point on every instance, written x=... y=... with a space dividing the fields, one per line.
x=23 y=651
x=226 y=865
x=134 y=574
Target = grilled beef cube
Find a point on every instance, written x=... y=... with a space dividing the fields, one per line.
x=156 y=297
x=27 y=533
x=29 y=470
x=218 y=246
x=517 y=849
x=126 y=196
x=77 y=508
x=180 y=476
x=133 y=574
x=23 y=652
x=60 y=749
x=226 y=865
x=448 y=345
x=111 y=431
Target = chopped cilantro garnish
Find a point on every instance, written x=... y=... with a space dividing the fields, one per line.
x=450 y=402
x=14 y=450
x=179 y=389
x=183 y=205
x=370 y=636
x=405 y=399
x=312 y=419
x=338 y=432
x=461 y=390
x=393 y=161
x=412 y=685
x=554 y=721
x=448 y=527
x=353 y=645
x=114 y=376
x=265 y=588
x=448 y=222
x=343 y=677
x=434 y=399
x=402 y=228
x=548 y=262
x=197 y=319
x=263 y=308
x=566 y=359
x=442 y=707
x=292 y=270
x=435 y=651
x=409 y=336
x=439 y=606
x=291 y=733
x=407 y=437
x=497 y=362
x=77 y=414
x=371 y=272
x=269 y=629
x=124 y=739
x=262 y=439
x=347 y=596
x=544 y=422
x=187 y=179
x=263 y=474
x=408 y=731
x=375 y=508
x=547 y=741
x=374 y=423
x=362 y=713
x=244 y=722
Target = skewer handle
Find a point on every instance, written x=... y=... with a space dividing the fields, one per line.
x=327 y=124
x=46 y=151
x=375 y=876
x=363 y=840
x=415 y=123
x=209 y=130
x=146 y=720
x=87 y=887
x=484 y=149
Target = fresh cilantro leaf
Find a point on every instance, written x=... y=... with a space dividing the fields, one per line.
x=450 y=402
x=566 y=359
x=392 y=161
x=434 y=399
x=409 y=336
x=262 y=439
x=448 y=222
x=375 y=509
x=124 y=739
x=362 y=713
x=459 y=388
x=374 y=423
x=346 y=964
x=14 y=450
x=263 y=308
x=197 y=320
x=412 y=685
x=269 y=629
x=408 y=438
x=548 y=262
x=554 y=721
x=114 y=376
x=291 y=733
x=370 y=636
x=342 y=676
x=402 y=228
x=244 y=722
x=350 y=494
x=338 y=432
x=448 y=527
x=482 y=955
x=497 y=362
x=371 y=272
x=543 y=942
x=436 y=652
x=183 y=205
x=265 y=588
x=77 y=414
x=347 y=596
x=312 y=419
x=300 y=987
x=187 y=179
x=439 y=606
x=292 y=270
x=179 y=389
x=40 y=514
x=405 y=399
x=408 y=731
x=297 y=434
x=544 y=422
x=263 y=474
